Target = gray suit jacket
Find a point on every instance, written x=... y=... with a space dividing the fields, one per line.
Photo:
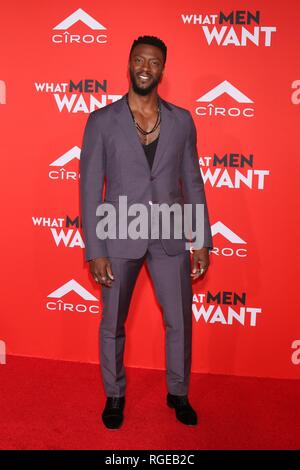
x=111 y=151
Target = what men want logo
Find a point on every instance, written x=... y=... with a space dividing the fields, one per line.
x=82 y=21
x=83 y=96
x=225 y=308
x=232 y=171
x=218 y=29
x=63 y=299
x=60 y=168
x=225 y=93
x=64 y=230
x=234 y=244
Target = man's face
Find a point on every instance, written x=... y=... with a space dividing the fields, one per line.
x=146 y=65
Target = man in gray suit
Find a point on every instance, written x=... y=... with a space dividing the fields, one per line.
x=144 y=148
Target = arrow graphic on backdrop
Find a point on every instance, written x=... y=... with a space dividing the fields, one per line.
x=225 y=88
x=70 y=286
x=79 y=15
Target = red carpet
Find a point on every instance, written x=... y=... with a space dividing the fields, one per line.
x=57 y=405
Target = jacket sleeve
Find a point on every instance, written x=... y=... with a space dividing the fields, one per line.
x=92 y=173
x=193 y=185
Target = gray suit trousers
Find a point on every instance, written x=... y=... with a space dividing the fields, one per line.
x=173 y=289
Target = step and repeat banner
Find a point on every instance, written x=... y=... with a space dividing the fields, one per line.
x=235 y=66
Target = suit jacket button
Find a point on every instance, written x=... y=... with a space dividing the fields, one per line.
x=150 y=202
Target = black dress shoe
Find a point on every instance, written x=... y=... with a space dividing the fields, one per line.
x=112 y=415
x=184 y=412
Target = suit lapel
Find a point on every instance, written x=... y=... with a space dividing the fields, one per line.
x=127 y=125
x=125 y=121
x=166 y=128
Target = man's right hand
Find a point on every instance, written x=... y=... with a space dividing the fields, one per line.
x=101 y=271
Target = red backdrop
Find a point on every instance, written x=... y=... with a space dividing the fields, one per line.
x=237 y=71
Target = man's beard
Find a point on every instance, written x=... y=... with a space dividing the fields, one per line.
x=143 y=91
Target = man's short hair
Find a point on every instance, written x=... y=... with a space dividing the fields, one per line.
x=152 y=41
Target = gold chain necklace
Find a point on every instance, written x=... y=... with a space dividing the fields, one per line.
x=140 y=129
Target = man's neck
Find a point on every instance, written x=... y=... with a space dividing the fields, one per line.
x=143 y=104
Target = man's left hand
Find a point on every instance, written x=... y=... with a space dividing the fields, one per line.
x=200 y=262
